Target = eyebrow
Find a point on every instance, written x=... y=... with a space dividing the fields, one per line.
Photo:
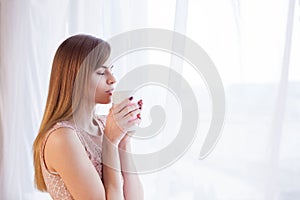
x=105 y=67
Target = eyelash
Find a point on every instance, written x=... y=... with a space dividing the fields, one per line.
x=104 y=73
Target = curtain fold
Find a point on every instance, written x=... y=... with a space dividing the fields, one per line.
x=272 y=177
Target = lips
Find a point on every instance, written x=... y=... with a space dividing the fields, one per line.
x=110 y=91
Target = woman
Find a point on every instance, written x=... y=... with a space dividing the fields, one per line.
x=73 y=144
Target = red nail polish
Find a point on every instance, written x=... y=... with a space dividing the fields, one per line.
x=130 y=98
x=138 y=116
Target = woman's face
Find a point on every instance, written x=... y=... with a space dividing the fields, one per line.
x=102 y=82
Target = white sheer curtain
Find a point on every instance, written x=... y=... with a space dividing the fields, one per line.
x=255 y=46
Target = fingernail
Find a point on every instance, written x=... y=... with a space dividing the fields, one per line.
x=138 y=116
x=130 y=98
x=140 y=102
x=140 y=107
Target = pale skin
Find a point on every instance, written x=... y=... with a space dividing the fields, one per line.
x=65 y=154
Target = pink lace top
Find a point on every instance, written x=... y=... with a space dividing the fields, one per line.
x=54 y=183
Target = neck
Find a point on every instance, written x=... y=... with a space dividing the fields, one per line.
x=84 y=119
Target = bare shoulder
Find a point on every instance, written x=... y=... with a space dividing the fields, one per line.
x=66 y=155
x=61 y=137
x=60 y=140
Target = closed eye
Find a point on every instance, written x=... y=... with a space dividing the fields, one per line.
x=110 y=69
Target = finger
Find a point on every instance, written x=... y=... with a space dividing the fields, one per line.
x=129 y=109
x=135 y=121
x=132 y=115
x=120 y=106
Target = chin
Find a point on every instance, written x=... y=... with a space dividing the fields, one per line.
x=104 y=101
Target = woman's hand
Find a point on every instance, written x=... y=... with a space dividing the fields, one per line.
x=120 y=119
x=126 y=139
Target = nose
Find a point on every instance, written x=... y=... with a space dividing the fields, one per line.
x=111 y=79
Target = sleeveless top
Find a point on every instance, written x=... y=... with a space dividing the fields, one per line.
x=54 y=183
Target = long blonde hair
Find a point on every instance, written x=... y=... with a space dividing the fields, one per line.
x=74 y=61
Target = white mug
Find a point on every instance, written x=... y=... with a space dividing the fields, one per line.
x=118 y=97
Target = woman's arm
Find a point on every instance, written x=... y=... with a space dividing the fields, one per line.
x=112 y=179
x=133 y=188
x=120 y=118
